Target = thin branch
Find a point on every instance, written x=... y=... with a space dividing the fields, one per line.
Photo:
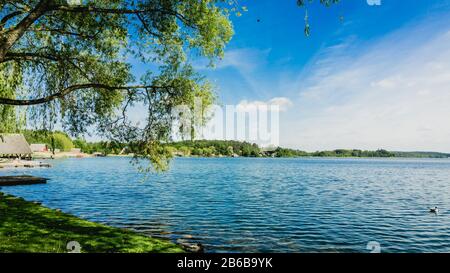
x=28 y=56
x=70 y=89
x=90 y=9
x=146 y=27
x=18 y=31
x=36 y=57
x=65 y=32
x=9 y=17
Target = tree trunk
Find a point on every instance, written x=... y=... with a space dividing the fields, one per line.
x=17 y=32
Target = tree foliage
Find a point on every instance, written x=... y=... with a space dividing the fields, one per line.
x=10 y=119
x=210 y=148
x=72 y=62
x=305 y=3
x=69 y=62
x=216 y=147
x=53 y=140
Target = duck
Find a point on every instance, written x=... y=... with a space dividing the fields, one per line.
x=434 y=210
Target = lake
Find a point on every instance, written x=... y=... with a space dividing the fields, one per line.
x=260 y=204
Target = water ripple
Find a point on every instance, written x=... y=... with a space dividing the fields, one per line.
x=260 y=205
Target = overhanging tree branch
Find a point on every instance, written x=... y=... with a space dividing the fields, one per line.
x=18 y=31
x=73 y=88
x=44 y=6
x=28 y=56
x=9 y=17
x=91 y=9
x=65 y=32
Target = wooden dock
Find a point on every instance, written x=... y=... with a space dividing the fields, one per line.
x=21 y=180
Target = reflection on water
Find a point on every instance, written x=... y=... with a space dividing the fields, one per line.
x=260 y=205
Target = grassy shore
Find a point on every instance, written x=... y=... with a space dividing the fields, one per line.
x=29 y=227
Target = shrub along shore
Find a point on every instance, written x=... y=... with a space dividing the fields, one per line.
x=29 y=227
x=205 y=148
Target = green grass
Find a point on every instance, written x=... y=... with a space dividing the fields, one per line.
x=29 y=227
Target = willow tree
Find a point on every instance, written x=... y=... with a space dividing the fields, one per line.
x=10 y=119
x=69 y=63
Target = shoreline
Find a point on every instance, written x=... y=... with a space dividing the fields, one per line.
x=16 y=163
x=30 y=227
x=35 y=163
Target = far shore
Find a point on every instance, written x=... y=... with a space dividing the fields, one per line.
x=35 y=163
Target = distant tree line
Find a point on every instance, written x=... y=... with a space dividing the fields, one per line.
x=283 y=152
x=103 y=147
x=422 y=154
x=54 y=140
x=215 y=148
x=205 y=148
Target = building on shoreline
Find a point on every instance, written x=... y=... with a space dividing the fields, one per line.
x=39 y=148
x=14 y=146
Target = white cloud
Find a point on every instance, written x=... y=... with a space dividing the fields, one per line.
x=385 y=84
x=280 y=103
x=248 y=65
x=244 y=60
x=393 y=94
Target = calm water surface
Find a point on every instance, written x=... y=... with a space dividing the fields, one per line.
x=260 y=205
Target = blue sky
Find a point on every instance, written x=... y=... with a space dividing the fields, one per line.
x=277 y=45
x=368 y=77
x=379 y=78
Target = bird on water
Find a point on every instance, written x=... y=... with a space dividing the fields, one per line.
x=434 y=210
